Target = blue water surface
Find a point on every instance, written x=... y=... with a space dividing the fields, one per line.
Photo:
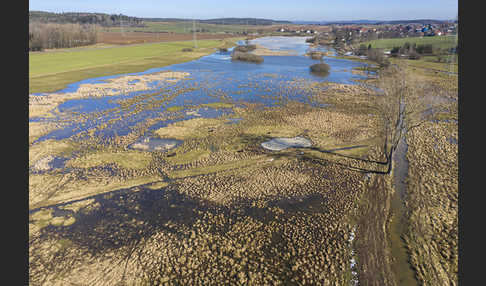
x=212 y=78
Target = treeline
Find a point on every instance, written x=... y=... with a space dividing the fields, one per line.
x=53 y=36
x=223 y=21
x=409 y=50
x=244 y=21
x=101 y=19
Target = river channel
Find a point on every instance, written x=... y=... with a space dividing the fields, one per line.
x=398 y=228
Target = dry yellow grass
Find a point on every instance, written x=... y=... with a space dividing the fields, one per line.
x=273 y=130
x=43 y=105
x=50 y=147
x=433 y=203
x=38 y=129
x=192 y=128
x=47 y=189
x=127 y=159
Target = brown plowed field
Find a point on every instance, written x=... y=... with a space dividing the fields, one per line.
x=144 y=37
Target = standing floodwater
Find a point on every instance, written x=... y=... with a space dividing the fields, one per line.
x=401 y=266
x=165 y=173
x=211 y=79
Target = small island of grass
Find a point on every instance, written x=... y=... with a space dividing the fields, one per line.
x=246 y=57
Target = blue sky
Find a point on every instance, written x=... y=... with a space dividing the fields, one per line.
x=312 y=10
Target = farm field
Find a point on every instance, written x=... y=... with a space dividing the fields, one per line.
x=185 y=27
x=443 y=42
x=126 y=38
x=50 y=71
x=429 y=63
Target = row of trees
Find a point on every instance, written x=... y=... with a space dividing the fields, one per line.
x=52 y=36
x=415 y=51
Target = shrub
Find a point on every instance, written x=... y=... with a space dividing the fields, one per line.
x=187 y=50
x=311 y=40
x=246 y=57
x=413 y=55
x=376 y=55
x=362 y=51
x=394 y=52
x=384 y=63
x=425 y=49
x=406 y=46
x=320 y=68
x=316 y=55
x=245 y=48
x=441 y=59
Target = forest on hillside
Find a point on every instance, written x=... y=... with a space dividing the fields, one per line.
x=105 y=20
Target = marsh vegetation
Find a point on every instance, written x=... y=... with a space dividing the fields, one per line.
x=170 y=182
x=246 y=57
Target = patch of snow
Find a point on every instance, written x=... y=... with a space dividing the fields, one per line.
x=281 y=143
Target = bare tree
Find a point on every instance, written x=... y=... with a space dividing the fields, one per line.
x=53 y=35
x=403 y=104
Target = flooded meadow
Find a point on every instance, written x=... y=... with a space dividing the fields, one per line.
x=206 y=172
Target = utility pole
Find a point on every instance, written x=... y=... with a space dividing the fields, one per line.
x=452 y=57
x=122 y=28
x=194 y=32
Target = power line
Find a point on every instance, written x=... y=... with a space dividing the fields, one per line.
x=452 y=57
x=194 y=33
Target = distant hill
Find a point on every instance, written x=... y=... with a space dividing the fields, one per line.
x=335 y=22
x=372 y=22
x=223 y=21
x=244 y=21
x=85 y=18
x=115 y=20
x=419 y=21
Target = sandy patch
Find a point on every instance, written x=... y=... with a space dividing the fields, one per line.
x=262 y=51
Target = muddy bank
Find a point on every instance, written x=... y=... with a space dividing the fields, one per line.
x=398 y=228
x=371 y=243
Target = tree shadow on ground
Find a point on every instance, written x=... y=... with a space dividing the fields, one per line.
x=297 y=153
x=123 y=218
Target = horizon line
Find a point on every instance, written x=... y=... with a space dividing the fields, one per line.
x=300 y=20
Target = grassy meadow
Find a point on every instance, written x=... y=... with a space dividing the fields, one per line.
x=51 y=71
x=429 y=63
x=443 y=42
x=185 y=27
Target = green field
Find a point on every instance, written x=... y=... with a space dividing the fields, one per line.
x=185 y=27
x=50 y=71
x=428 y=63
x=443 y=42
